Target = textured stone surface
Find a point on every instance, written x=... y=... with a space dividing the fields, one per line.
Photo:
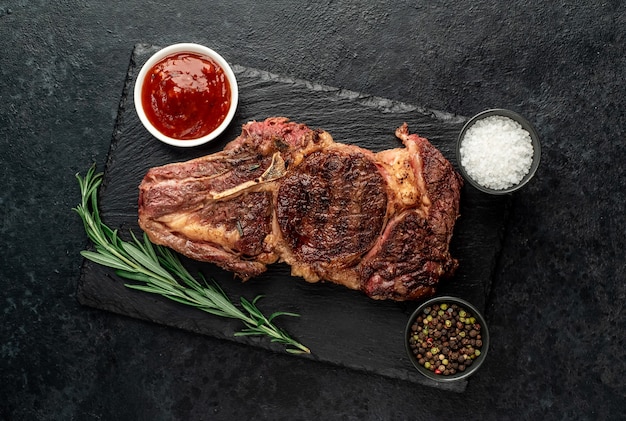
x=556 y=312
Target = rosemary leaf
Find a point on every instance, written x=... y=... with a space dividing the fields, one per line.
x=157 y=270
x=248 y=333
x=297 y=351
x=146 y=246
x=152 y=290
x=196 y=296
x=282 y=313
x=252 y=310
x=104 y=260
x=144 y=260
x=216 y=312
x=134 y=276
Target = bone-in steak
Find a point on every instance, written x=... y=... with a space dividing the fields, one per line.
x=376 y=222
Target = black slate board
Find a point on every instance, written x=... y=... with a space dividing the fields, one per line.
x=340 y=326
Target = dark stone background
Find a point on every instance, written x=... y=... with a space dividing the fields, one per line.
x=557 y=307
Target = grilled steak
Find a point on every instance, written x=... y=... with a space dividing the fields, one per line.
x=380 y=222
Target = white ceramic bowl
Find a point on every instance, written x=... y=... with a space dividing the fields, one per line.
x=185 y=48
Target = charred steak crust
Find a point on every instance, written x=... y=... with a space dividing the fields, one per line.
x=331 y=207
x=414 y=249
x=376 y=222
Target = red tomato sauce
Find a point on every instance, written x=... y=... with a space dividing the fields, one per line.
x=186 y=96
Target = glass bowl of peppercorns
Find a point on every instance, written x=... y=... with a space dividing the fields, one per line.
x=446 y=339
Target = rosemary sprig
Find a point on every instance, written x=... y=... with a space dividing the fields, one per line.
x=156 y=269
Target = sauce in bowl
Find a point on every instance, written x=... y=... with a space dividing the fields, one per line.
x=186 y=95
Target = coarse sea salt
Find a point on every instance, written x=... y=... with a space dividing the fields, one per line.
x=496 y=152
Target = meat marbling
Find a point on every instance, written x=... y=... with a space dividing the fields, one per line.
x=380 y=222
